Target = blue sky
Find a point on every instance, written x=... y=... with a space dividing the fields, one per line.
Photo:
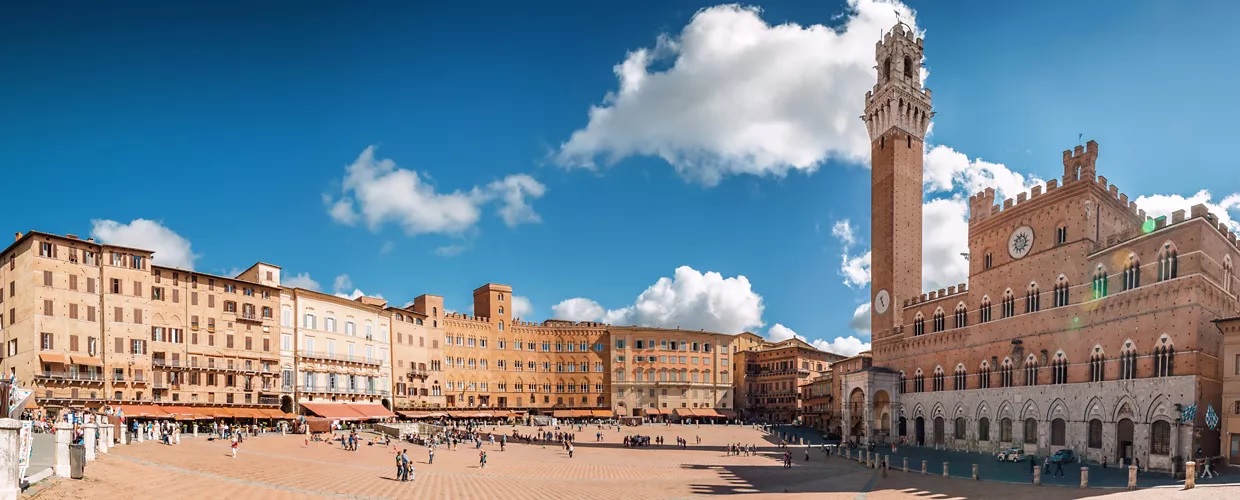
x=729 y=147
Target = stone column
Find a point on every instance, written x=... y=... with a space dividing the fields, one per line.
x=10 y=446
x=944 y=469
x=1190 y=475
x=124 y=434
x=975 y=475
x=1132 y=477
x=886 y=460
x=194 y=425
x=1084 y=477
x=141 y=434
x=905 y=464
x=102 y=438
x=923 y=467
x=64 y=435
x=1037 y=474
x=89 y=433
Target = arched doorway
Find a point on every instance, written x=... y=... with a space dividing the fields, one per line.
x=1123 y=440
x=856 y=414
x=919 y=430
x=387 y=404
x=882 y=410
x=286 y=404
x=938 y=431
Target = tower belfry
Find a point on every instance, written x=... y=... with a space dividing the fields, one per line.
x=897 y=114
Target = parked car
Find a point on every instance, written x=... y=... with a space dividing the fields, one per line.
x=1011 y=455
x=1065 y=456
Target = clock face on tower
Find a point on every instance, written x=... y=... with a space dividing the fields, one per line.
x=882 y=300
x=1020 y=242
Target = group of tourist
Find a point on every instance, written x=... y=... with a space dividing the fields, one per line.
x=736 y=449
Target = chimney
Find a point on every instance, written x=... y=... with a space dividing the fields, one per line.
x=90 y=240
x=17 y=236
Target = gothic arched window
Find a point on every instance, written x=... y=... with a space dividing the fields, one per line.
x=983 y=376
x=960 y=380
x=1097 y=365
x=1061 y=291
x=1033 y=298
x=984 y=310
x=1128 y=361
x=1164 y=357
x=908 y=67
x=1168 y=262
x=940 y=323
x=938 y=379
x=919 y=325
x=1100 y=282
x=1132 y=272
x=961 y=315
x=1008 y=306
x=887 y=69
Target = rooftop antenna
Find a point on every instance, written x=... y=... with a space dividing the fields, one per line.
x=1079 y=137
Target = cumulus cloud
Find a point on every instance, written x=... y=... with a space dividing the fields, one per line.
x=171 y=249
x=855 y=269
x=846 y=346
x=948 y=170
x=451 y=250
x=740 y=96
x=521 y=307
x=386 y=248
x=342 y=284
x=302 y=280
x=861 y=319
x=1227 y=209
x=376 y=192
x=690 y=299
x=843 y=231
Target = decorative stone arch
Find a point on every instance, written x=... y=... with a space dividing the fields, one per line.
x=960 y=367
x=938 y=369
x=1126 y=407
x=1031 y=359
x=960 y=411
x=1005 y=411
x=985 y=365
x=1160 y=409
x=1165 y=340
x=1095 y=409
x=938 y=410
x=985 y=300
x=1127 y=346
x=918 y=373
x=1030 y=410
x=983 y=411
x=1058 y=409
x=1008 y=294
x=919 y=411
x=157 y=319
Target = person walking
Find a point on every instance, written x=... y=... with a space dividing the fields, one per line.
x=1059 y=468
x=235 y=443
x=430 y=455
x=482 y=459
x=400 y=467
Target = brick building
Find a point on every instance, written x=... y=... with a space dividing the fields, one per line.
x=774 y=373
x=1085 y=324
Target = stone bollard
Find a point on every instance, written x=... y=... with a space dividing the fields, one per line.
x=195 y=427
x=124 y=435
x=1037 y=474
x=141 y=434
x=802 y=441
x=89 y=433
x=905 y=464
x=1132 y=477
x=944 y=469
x=886 y=461
x=10 y=445
x=64 y=435
x=975 y=475
x=1190 y=475
x=1084 y=477
x=102 y=438
x=923 y=467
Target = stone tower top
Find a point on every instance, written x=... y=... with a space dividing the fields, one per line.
x=898 y=100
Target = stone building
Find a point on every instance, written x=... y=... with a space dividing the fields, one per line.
x=1085 y=324
x=671 y=373
x=417 y=354
x=1229 y=412
x=774 y=373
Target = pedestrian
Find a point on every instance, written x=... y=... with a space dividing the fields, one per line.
x=400 y=467
x=482 y=459
x=1059 y=468
x=884 y=467
x=235 y=442
x=430 y=455
x=570 y=450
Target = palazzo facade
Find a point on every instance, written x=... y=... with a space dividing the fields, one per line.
x=1085 y=323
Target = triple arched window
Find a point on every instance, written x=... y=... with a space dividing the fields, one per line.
x=938 y=379
x=984 y=310
x=960 y=379
x=1164 y=357
x=1100 y=282
x=961 y=315
x=1005 y=373
x=1132 y=272
x=1031 y=370
x=1061 y=291
x=983 y=376
x=1168 y=262
x=940 y=323
x=1059 y=369
x=1008 y=305
x=1033 y=299
x=1097 y=365
x=919 y=325
x=1128 y=361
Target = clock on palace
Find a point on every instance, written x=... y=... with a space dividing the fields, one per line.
x=1020 y=242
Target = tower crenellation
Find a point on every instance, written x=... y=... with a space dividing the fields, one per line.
x=898 y=101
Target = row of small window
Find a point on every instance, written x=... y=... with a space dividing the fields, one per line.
x=694 y=377
x=403 y=389
x=673 y=359
x=516 y=345
x=667 y=345
x=1163 y=366
x=1168 y=269
x=52 y=251
x=340 y=381
x=533 y=388
x=501 y=364
x=310 y=321
x=1160 y=432
x=349 y=348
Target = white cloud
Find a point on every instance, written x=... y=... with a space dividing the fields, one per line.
x=949 y=170
x=578 y=309
x=944 y=236
x=845 y=346
x=1165 y=204
x=387 y=247
x=451 y=250
x=855 y=269
x=861 y=319
x=342 y=284
x=302 y=280
x=171 y=249
x=843 y=231
x=740 y=96
x=521 y=307
x=690 y=299
x=378 y=192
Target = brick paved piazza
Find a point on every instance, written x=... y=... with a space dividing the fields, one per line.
x=276 y=467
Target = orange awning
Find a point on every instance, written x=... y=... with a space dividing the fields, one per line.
x=54 y=357
x=562 y=414
x=222 y=412
x=335 y=411
x=87 y=361
x=143 y=411
x=707 y=412
x=413 y=414
x=371 y=410
x=653 y=411
x=602 y=413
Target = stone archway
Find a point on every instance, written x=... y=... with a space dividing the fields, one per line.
x=919 y=430
x=387 y=404
x=882 y=410
x=1123 y=440
x=286 y=404
x=856 y=413
x=938 y=431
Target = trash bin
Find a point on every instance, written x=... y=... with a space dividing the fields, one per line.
x=77 y=461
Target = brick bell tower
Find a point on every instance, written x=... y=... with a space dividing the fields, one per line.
x=897 y=114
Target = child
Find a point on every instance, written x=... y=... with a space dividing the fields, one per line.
x=235 y=441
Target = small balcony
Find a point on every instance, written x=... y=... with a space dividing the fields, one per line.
x=166 y=363
x=343 y=358
x=249 y=317
x=66 y=376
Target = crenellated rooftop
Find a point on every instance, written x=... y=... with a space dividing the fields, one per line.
x=941 y=293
